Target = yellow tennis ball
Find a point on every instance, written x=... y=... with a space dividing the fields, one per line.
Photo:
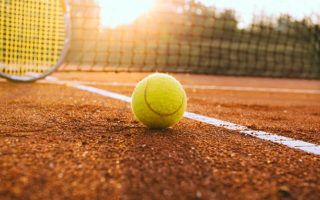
x=159 y=101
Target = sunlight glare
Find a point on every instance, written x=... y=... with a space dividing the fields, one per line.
x=118 y=12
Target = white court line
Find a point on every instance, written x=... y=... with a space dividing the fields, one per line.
x=296 y=144
x=253 y=89
x=207 y=87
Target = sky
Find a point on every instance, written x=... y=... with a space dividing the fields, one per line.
x=117 y=12
x=246 y=9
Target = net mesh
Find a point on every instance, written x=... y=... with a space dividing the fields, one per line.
x=174 y=36
x=32 y=34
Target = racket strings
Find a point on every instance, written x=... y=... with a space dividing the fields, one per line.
x=32 y=36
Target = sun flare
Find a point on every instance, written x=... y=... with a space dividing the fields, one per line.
x=118 y=12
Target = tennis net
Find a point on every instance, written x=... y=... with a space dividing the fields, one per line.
x=186 y=36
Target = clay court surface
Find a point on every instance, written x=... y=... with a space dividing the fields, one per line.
x=59 y=142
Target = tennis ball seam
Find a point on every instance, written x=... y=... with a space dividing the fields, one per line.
x=156 y=112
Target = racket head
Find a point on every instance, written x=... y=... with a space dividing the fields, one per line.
x=34 y=38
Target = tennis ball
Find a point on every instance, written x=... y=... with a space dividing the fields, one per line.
x=159 y=101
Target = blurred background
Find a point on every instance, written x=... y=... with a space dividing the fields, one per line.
x=275 y=38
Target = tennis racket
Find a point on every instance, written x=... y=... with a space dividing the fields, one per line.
x=34 y=38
